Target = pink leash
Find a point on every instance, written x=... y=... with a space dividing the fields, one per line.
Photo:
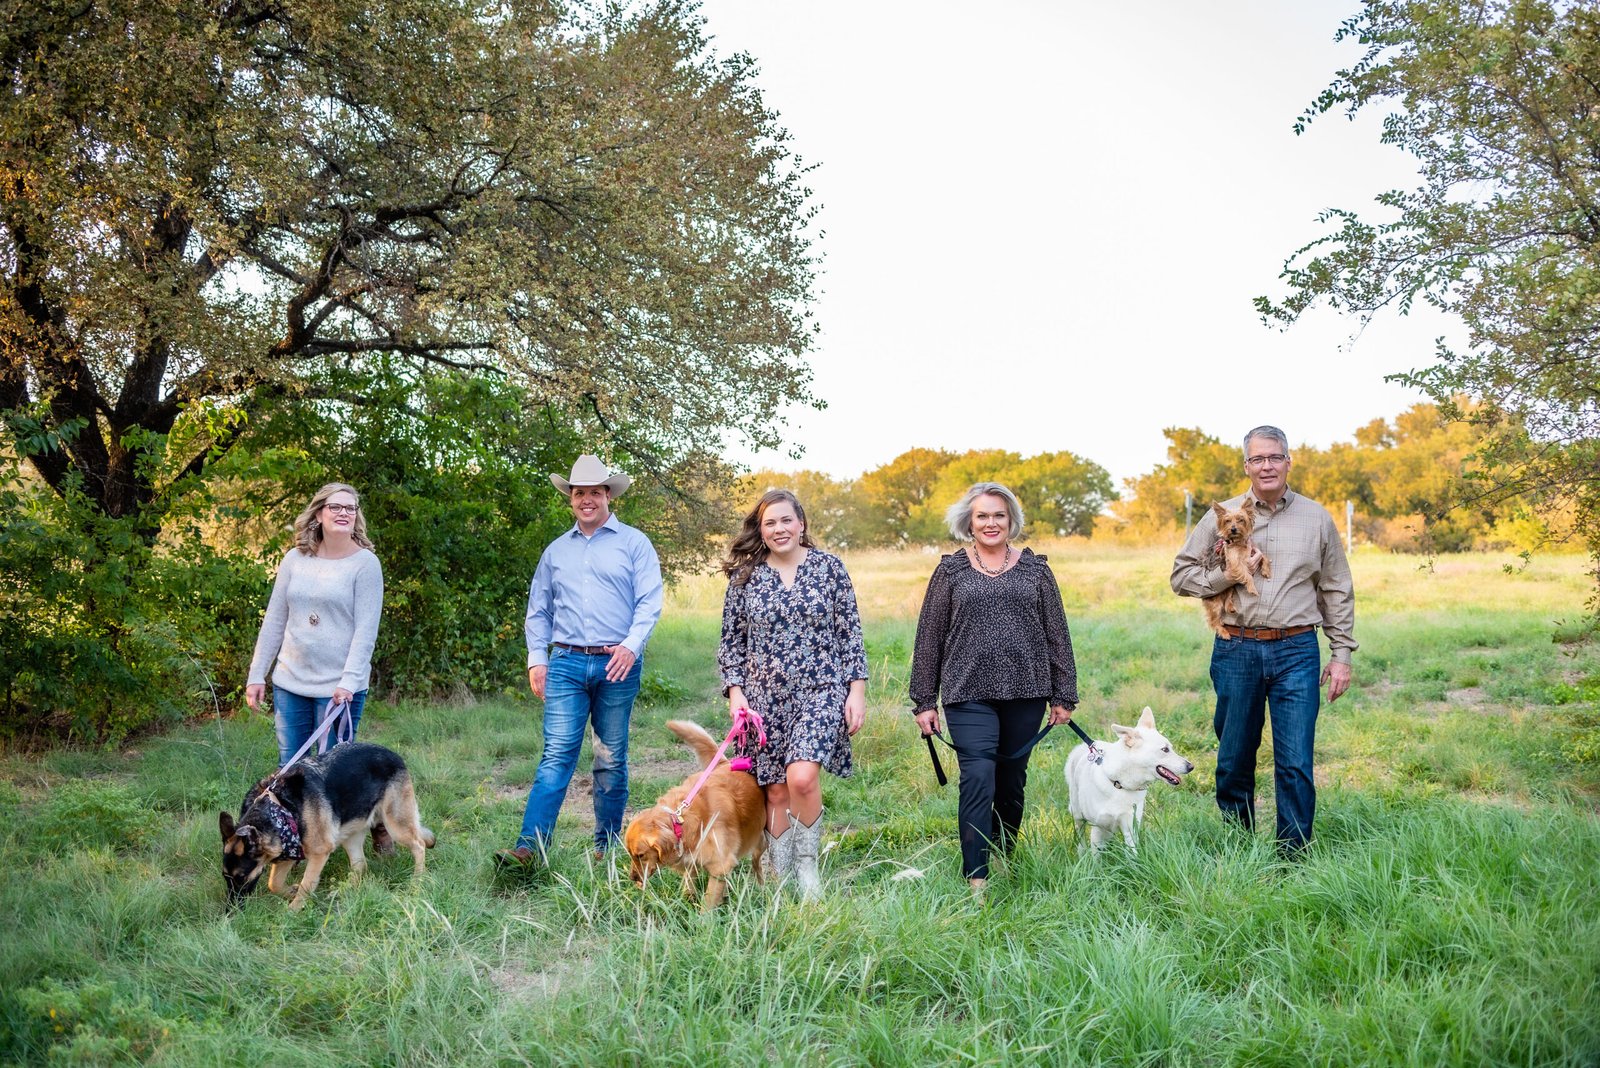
x=751 y=733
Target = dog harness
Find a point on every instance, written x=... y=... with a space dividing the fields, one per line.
x=278 y=818
x=751 y=733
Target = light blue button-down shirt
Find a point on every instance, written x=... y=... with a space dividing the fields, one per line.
x=598 y=589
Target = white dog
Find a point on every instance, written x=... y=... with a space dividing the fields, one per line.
x=1109 y=795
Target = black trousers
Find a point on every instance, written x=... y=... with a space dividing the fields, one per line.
x=991 y=788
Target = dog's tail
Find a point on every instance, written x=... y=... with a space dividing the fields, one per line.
x=696 y=737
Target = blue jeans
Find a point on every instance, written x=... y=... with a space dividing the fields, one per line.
x=296 y=718
x=1250 y=677
x=576 y=694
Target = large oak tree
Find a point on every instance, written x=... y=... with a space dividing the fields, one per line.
x=202 y=203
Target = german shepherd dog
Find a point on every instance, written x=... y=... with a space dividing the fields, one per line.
x=314 y=806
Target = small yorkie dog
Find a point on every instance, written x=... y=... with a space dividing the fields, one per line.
x=1233 y=544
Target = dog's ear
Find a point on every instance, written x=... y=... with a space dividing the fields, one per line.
x=1248 y=506
x=1216 y=506
x=1147 y=719
x=1129 y=735
x=225 y=825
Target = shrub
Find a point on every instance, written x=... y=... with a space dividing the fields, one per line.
x=89 y=813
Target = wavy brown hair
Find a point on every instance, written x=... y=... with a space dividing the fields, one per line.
x=308 y=528
x=748 y=549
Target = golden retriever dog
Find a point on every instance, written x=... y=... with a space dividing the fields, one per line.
x=1233 y=538
x=721 y=826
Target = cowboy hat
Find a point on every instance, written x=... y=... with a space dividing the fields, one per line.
x=591 y=471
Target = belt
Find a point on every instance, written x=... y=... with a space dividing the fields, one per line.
x=586 y=650
x=1267 y=634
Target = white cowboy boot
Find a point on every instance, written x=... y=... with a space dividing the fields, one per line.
x=780 y=856
x=807 y=843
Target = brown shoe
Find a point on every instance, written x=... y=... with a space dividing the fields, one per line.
x=520 y=857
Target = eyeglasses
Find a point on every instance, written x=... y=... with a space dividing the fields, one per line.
x=1275 y=459
x=343 y=509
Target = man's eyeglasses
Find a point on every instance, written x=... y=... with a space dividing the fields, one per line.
x=1275 y=459
x=343 y=509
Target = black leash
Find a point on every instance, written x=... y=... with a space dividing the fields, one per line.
x=938 y=769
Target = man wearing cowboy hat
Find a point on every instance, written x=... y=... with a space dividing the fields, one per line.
x=596 y=595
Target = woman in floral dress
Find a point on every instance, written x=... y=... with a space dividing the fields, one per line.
x=792 y=651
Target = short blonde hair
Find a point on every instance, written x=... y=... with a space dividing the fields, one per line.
x=959 y=515
x=308 y=528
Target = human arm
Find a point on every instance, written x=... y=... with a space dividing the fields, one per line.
x=1058 y=642
x=269 y=639
x=733 y=648
x=1197 y=572
x=538 y=623
x=1336 y=601
x=927 y=656
x=855 y=705
x=647 y=596
x=849 y=645
x=366 y=611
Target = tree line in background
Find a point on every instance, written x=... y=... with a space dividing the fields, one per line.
x=903 y=502
x=1406 y=479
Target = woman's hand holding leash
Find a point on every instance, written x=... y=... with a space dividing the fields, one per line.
x=928 y=721
x=1059 y=714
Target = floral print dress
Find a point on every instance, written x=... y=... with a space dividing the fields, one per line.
x=795 y=652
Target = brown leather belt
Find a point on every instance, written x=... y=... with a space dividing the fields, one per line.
x=1266 y=634
x=586 y=650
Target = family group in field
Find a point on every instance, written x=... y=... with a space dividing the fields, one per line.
x=993 y=652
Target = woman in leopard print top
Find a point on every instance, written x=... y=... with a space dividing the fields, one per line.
x=992 y=643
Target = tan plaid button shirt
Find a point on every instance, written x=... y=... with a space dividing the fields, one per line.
x=1310 y=581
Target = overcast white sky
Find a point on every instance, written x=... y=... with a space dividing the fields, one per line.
x=1044 y=223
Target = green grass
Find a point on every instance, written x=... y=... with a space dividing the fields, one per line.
x=1447 y=913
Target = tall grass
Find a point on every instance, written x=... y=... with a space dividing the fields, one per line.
x=1446 y=914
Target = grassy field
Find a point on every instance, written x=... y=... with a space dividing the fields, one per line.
x=1447 y=913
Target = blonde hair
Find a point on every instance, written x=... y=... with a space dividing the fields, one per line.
x=959 y=515
x=308 y=528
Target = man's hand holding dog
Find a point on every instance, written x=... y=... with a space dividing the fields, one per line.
x=620 y=664
x=1337 y=677
x=536 y=677
x=1256 y=556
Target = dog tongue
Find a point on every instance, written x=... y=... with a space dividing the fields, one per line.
x=1167 y=775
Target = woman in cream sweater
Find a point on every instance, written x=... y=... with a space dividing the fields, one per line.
x=322 y=620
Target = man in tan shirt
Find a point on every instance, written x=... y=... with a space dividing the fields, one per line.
x=1271 y=658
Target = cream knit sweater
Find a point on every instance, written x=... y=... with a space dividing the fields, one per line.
x=321 y=624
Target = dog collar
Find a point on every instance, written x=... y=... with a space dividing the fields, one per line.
x=677 y=823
